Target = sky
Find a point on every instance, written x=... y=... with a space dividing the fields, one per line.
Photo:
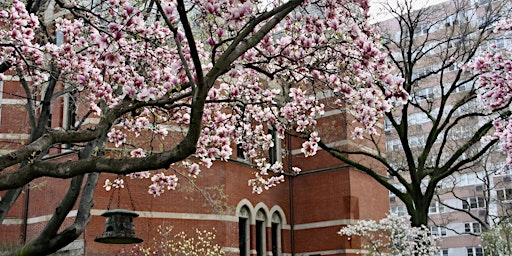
x=378 y=14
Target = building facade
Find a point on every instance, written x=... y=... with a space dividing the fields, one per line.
x=437 y=42
x=299 y=217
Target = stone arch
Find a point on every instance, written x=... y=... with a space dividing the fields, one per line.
x=276 y=209
x=263 y=208
x=244 y=203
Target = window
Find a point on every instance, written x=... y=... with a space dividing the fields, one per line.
x=387 y=125
x=453 y=19
x=437 y=231
x=482 y=2
x=456 y=43
x=240 y=152
x=261 y=230
x=469 y=178
x=475 y=251
x=504 y=194
x=421 y=72
x=474 y=228
x=499 y=168
x=463 y=87
x=274 y=153
x=452 y=67
x=473 y=203
x=499 y=43
x=243 y=231
x=422 y=29
x=424 y=94
x=417 y=118
x=443 y=252
x=59 y=38
x=393 y=145
x=436 y=207
x=433 y=208
x=276 y=234
x=392 y=197
x=417 y=141
x=398 y=210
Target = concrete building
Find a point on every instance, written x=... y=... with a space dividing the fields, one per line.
x=444 y=38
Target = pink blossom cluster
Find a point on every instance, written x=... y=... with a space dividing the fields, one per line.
x=139 y=175
x=495 y=86
x=18 y=43
x=124 y=56
x=259 y=183
x=116 y=136
x=310 y=146
x=116 y=184
x=160 y=182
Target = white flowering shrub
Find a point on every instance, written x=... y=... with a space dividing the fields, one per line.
x=167 y=243
x=498 y=239
x=392 y=235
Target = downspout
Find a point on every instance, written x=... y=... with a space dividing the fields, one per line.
x=292 y=220
x=25 y=215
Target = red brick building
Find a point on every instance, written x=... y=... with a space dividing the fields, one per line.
x=298 y=217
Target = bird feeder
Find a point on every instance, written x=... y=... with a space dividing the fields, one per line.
x=119 y=227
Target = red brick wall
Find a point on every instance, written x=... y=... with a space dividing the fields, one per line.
x=326 y=196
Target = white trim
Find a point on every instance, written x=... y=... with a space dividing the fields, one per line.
x=231 y=249
x=12 y=221
x=16 y=78
x=176 y=215
x=14 y=136
x=323 y=224
x=74 y=246
x=333 y=112
x=188 y=216
x=340 y=143
x=242 y=203
x=13 y=101
x=325 y=94
x=334 y=252
x=263 y=207
x=279 y=210
x=44 y=218
x=142 y=214
x=91 y=120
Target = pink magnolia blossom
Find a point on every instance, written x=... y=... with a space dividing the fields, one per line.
x=116 y=184
x=160 y=182
x=126 y=59
x=495 y=86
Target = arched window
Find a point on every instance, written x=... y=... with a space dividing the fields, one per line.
x=243 y=230
x=277 y=225
x=261 y=230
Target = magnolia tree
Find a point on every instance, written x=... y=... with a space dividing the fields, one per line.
x=392 y=235
x=199 y=76
x=495 y=87
x=443 y=128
